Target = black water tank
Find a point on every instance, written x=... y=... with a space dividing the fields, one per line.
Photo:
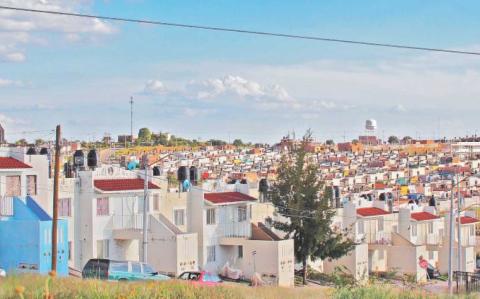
x=182 y=173
x=263 y=185
x=156 y=171
x=78 y=159
x=44 y=151
x=92 y=159
x=193 y=175
x=68 y=170
x=31 y=151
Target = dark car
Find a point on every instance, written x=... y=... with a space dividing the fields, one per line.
x=120 y=271
x=432 y=272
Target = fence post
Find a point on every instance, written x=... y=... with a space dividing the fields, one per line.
x=466 y=282
x=456 y=274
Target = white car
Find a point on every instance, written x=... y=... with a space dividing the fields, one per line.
x=3 y=273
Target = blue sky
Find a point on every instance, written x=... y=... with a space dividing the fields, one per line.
x=81 y=73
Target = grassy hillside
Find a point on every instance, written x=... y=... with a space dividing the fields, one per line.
x=30 y=286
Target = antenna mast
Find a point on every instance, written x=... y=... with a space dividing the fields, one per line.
x=131 y=120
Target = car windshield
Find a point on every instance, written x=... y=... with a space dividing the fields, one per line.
x=147 y=269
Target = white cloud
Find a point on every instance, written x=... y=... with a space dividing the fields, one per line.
x=235 y=88
x=154 y=87
x=17 y=28
x=8 y=83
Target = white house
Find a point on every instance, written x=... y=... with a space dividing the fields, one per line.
x=228 y=239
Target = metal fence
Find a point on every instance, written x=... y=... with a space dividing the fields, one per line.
x=467 y=281
x=6 y=206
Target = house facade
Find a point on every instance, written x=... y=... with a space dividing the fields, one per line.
x=228 y=240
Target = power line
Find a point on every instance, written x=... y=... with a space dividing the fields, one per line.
x=243 y=31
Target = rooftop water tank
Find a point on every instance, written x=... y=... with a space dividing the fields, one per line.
x=92 y=159
x=31 y=151
x=78 y=159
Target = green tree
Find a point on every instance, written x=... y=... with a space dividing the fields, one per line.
x=407 y=139
x=299 y=196
x=393 y=140
x=238 y=142
x=144 y=135
x=39 y=142
x=329 y=142
x=21 y=142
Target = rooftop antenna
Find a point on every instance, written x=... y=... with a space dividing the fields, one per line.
x=131 y=120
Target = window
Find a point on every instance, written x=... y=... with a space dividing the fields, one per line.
x=431 y=255
x=103 y=249
x=70 y=250
x=156 y=202
x=240 y=252
x=380 y=224
x=102 y=206
x=472 y=230
x=118 y=266
x=361 y=228
x=242 y=214
x=147 y=269
x=179 y=217
x=414 y=230
x=136 y=268
x=430 y=228
x=210 y=254
x=31 y=184
x=211 y=216
x=65 y=207
x=13 y=187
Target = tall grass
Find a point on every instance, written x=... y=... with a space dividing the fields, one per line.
x=34 y=286
x=41 y=287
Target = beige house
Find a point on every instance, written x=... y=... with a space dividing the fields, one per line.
x=419 y=237
x=467 y=244
x=229 y=242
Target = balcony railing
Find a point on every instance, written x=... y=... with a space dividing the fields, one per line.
x=6 y=206
x=427 y=239
x=380 y=238
x=236 y=229
x=133 y=221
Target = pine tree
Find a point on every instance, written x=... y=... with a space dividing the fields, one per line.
x=299 y=196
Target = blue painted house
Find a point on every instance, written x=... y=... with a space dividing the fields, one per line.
x=26 y=236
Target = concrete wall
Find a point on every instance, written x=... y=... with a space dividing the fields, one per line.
x=356 y=262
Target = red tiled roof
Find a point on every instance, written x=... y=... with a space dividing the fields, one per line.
x=422 y=216
x=227 y=197
x=365 y=212
x=11 y=163
x=468 y=220
x=122 y=184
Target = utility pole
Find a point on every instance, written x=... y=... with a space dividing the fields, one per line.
x=131 y=120
x=55 y=199
x=145 y=208
x=459 y=228
x=450 y=244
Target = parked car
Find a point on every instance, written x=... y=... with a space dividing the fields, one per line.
x=201 y=278
x=120 y=271
x=432 y=272
x=3 y=273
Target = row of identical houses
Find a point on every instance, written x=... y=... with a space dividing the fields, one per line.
x=101 y=216
x=390 y=241
x=218 y=227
